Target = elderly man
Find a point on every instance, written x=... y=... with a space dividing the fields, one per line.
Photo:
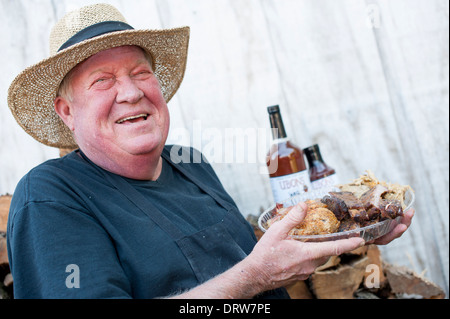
x=118 y=218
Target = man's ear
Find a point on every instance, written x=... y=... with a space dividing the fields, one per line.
x=64 y=109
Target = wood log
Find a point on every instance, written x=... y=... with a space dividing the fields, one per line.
x=404 y=281
x=374 y=256
x=360 y=251
x=5 y=201
x=8 y=281
x=333 y=261
x=339 y=283
x=65 y=151
x=299 y=290
x=3 y=251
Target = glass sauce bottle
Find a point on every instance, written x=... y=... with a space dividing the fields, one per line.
x=322 y=177
x=286 y=164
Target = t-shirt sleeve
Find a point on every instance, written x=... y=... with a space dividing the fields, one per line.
x=57 y=251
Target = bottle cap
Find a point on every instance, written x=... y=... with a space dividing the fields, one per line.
x=273 y=109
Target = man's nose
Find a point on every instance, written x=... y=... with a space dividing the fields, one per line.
x=128 y=91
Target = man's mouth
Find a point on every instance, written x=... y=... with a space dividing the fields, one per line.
x=133 y=119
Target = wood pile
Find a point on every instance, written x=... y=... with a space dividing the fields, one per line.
x=361 y=274
x=65 y=151
x=6 y=282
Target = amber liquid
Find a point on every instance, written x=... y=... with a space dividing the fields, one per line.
x=285 y=158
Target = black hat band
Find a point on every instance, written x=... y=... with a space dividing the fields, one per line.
x=94 y=31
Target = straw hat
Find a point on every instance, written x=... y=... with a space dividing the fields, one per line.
x=77 y=36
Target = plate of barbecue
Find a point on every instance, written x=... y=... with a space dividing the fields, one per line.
x=366 y=208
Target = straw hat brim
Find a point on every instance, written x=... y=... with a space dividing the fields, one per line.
x=32 y=93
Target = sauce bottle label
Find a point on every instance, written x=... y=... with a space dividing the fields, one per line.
x=284 y=187
x=326 y=184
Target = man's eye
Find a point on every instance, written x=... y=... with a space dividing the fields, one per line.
x=143 y=73
x=104 y=79
x=103 y=82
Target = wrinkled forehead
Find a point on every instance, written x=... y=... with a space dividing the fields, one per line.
x=116 y=52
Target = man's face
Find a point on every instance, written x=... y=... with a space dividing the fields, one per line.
x=117 y=105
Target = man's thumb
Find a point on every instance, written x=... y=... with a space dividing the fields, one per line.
x=293 y=218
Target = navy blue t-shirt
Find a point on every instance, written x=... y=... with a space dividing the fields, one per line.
x=72 y=235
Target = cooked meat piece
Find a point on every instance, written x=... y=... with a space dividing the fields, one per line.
x=315 y=203
x=369 y=222
x=397 y=192
x=317 y=221
x=372 y=198
x=358 y=215
x=349 y=199
x=373 y=213
x=354 y=205
x=348 y=224
x=336 y=205
x=390 y=209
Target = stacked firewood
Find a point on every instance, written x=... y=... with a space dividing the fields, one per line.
x=6 y=288
x=361 y=274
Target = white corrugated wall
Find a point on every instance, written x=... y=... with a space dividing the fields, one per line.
x=366 y=80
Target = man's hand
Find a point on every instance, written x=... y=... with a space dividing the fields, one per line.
x=279 y=260
x=397 y=231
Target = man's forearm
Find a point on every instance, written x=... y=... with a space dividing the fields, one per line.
x=239 y=282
